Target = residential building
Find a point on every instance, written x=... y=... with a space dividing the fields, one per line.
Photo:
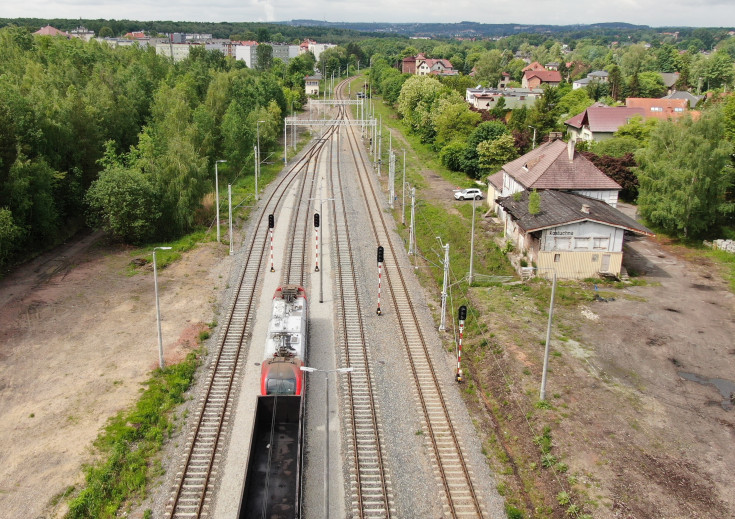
x=177 y=51
x=311 y=84
x=535 y=66
x=669 y=79
x=557 y=165
x=135 y=35
x=572 y=235
x=600 y=122
x=246 y=51
x=82 y=33
x=659 y=108
x=422 y=66
x=692 y=100
x=598 y=75
x=315 y=48
x=536 y=78
x=487 y=98
x=52 y=31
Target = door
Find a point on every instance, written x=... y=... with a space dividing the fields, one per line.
x=605 y=263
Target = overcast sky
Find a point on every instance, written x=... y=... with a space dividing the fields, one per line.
x=656 y=13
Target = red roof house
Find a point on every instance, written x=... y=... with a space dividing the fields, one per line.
x=536 y=78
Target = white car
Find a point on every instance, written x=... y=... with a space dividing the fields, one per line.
x=468 y=194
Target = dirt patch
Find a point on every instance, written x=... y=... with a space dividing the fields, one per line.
x=77 y=338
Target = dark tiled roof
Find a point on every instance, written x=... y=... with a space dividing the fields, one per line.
x=562 y=208
x=605 y=118
x=549 y=167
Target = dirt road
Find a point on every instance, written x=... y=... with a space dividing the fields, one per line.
x=77 y=338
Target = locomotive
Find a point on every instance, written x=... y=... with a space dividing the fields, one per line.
x=286 y=343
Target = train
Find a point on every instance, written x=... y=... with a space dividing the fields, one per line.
x=286 y=343
x=273 y=477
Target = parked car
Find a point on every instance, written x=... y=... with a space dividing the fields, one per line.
x=468 y=194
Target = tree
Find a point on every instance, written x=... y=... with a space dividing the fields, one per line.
x=487 y=131
x=615 y=80
x=453 y=120
x=264 y=55
x=620 y=169
x=9 y=235
x=651 y=84
x=124 y=202
x=452 y=154
x=491 y=155
x=684 y=176
x=106 y=32
x=490 y=67
x=574 y=102
x=534 y=203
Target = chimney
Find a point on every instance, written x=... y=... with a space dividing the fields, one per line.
x=586 y=208
x=570 y=149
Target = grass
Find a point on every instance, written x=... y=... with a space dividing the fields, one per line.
x=130 y=441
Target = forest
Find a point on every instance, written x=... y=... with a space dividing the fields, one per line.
x=124 y=140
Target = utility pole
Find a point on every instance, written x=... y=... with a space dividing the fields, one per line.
x=445 y=286
x=229 y=203
x=412 y=228
x=403 y=205
x=380 y=146
x=548 y=340
x=392 y=178
x=472 y=243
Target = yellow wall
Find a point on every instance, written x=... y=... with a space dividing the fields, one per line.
x=577 y=265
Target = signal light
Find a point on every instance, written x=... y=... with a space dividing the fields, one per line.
x=462 y=313
x=380 y=254
x=271 y=221
x=316 y=219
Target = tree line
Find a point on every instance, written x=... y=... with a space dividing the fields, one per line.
x=124 y=139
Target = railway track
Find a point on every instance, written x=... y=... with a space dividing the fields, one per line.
x=196 y=478
x=445 y=447
x=370 y=487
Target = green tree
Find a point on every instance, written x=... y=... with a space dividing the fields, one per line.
x=9 y=235
x=684 y=176
x=651 y=84
x=124 y=202
x=489 y=67
x=453 y=120
x=574 y=102
x=615 y=80
x=106 y=32
x=264 y=55
x=534 y=203
x=493 y=154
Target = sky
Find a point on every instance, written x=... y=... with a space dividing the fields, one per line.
x=656 y=13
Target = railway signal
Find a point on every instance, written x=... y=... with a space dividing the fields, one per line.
x=316 y=228
x=271 y=224
x=462 y=318
x=380 y=272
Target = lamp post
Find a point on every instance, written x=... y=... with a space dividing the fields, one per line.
x=229 y=205
x=533 y=146
x=216 y=194
x=326 y=428
x=257 y=157
x=158 y=306
x=472 y=242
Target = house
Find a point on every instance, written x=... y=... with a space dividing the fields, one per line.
x=659 y=108
x=535 y=66
x=598 y=75
x=315 y=48
x=692 y=100
x=669 y=79
x=82 y=33
x=486 y=98
x=504 y=80
x=536 y=78
x=52 y=31
x=311 y=84
x=247 y=51
x=176 y=51
x=422 y=66
x=600 y=122
x=135 y=35
x=558 y=166
x=572 y=235
x=553 y=65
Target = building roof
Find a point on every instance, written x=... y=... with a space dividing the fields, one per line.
x=496 y=180
x=547 y=76
x=598 y=74
x=549 y=167
x=534 y=66
x=51 y=31
x=659 y=108
x=605 y=118
x=563 y=208
x=669 y=78
x=683 y=94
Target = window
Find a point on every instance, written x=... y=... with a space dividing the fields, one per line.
x=678 y=109
x=657 y=109
x=562 y=243
x=581 y=243
x=557 y=258
x=600 y=243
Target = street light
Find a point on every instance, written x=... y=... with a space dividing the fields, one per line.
x=158 y=306
x=326 y=453
x=216 y=193
x=257 y=158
